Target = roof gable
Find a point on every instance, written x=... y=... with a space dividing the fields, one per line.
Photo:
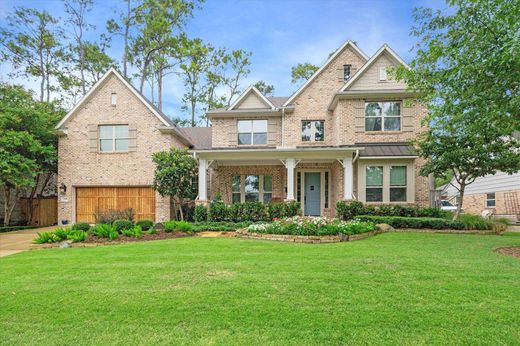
x=251 y=98
x=345 y=45
x=381 y=59
x=112 y=72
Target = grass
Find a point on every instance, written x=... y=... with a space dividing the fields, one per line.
x=395 y=288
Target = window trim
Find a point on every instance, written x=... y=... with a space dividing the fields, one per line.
x=349 y=72
x=381 y=187
x=494 y=199
x=243 y=186
x=312 y=138
x=113 y=138
x=383 y=116
x=405 y=186
x=387 y=164
x=252 y=133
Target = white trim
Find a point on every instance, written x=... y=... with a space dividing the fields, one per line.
x=320 y=70
x=251 y=88
x=358 y=74
x=387 y=157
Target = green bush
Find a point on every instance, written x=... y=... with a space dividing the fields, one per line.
x=14 y=228
x=151 y=230
x=312 y=227
x=251 y=211
x=200 y=213
x=80 y=227
x=77 y=235
x=61 y=233
x=135 y=232
x=475 y=222
x=412 y=222
x=183 y=226
x=111 y=215
x=104 y=230
x=122 y=224
x=218 y=211
x=219 y=226
x=46 y=237
x=145 y=224
x=349 y=210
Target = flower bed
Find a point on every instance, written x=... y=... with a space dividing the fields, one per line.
x=312 y=226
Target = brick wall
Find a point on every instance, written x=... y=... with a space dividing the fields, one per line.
x=476 y=203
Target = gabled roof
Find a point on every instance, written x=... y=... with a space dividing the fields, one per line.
x=324 y=66
x=385 y=48
x=252 y=89
x=160 y=115
x=200 y=136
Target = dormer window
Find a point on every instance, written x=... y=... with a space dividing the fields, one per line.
x=382 y=74
x=113 y=99
x=346 y=72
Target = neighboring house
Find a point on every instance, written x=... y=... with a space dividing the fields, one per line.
x=342 y=135
x=498 y=193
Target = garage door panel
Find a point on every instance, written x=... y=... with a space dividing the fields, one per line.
x=90 y=199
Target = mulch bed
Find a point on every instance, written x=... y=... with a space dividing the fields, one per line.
x=510 y=251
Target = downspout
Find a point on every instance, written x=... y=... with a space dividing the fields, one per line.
x=356 y=156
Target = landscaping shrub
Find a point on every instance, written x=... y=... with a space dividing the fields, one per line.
x=219 y=226
x=46 y=237
x=218 y=211
x=122 y=224
x=105 y=231
x=60 y=233
x=306 y=226
x=76 y=235
x=200 y=214
x=145 y=224
x=183 y=226
x=349 y=210
x=413 y=222
x=135 y=231
x=151 y=231
x=80 y=227
x=251 y=211
x=111 y=215
x=14 y=228
x=475 y=222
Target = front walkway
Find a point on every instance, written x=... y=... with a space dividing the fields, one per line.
x=18 y=241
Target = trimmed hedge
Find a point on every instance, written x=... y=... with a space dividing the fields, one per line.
x=349 y=210
x=120 y=225
x=413 y=222
x=312 y=227
x=145 y=224
x=82 y=226
x=218 y=211
x=14 y=228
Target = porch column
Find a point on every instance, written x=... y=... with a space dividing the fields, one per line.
x=348 y=178
x=290 y=164
x=203 y=166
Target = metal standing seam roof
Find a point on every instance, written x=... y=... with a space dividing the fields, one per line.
x=385 y=149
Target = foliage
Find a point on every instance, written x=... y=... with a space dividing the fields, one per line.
x=110 y=215
x=467 y=72
x=135 y=231
x=302 y=72
x=46 y=237
x=200 y=214
x=413 y=222
x=77 y=235
x=248 y=211
x=264 y=88
x=251 y=211
x=104 y=230
x=14 y=228
x=60 y=234
x=183 y=226
x=145 y=224
x=175 y=171
x=219 y=226
x=475 y=222
x=218 y=211
x=151 y=230
x=81 y=227
x=312 y=226
x=120 y=225
x=349 y=210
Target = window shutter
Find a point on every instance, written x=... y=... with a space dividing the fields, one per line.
x=93 y=138
x=233 y=134
x=272 y=130
x=340 y=74
x=407 y=116
x=382 y=73
x=359 y=115
x=132 y=138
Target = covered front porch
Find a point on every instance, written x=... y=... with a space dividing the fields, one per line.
x=315 y=177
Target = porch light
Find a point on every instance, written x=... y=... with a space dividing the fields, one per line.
x=63 y=188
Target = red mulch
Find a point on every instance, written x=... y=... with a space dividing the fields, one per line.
x=510 y=251
x=145 y=237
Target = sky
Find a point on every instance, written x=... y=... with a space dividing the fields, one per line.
x=279 y=33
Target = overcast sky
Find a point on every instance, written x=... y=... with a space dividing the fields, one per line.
x=280 y=33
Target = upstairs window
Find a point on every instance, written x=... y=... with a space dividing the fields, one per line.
x=252 y=132
x=113 y=138
x=313 y=131
x=383 y=116
x=346 y=72
x=490 y=200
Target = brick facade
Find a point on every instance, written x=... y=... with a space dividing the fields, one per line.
x=476 y=203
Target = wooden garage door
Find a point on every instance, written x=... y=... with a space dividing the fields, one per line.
x=89 y=199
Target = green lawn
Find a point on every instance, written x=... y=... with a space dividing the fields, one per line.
x=390 y=289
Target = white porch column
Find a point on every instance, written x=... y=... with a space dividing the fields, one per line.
x=290 y=164
x=348 y=178
x=203 y=166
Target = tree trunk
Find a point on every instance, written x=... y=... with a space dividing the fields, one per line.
x=159 y=90
x=461 y=199
x=30 y=199
x=42 y=83
x=127 y=31
x=8 y=206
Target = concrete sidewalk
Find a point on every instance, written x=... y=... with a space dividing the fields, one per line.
x=18 y=241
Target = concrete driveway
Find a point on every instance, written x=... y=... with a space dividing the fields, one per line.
x=18 y=241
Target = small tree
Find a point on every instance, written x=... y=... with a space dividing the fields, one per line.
x=175 y=172
x=302 y=72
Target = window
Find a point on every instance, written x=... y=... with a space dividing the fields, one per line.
x=398 y=184
x=382 y=116
x=346 y=72
x=313 y=131
x=326 y=190
x=374 y=184
x=113 y=138
x=490 y=200
x=298 y=187
x=251 y=188
x=382 y=74
x=252 y=132
x=113 y=99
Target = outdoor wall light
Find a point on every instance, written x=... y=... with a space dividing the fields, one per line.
x=63 y=188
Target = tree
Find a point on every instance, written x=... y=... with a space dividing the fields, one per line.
x=20 y=114
x=302 y=72
x=33 y=45
x=239 y=61
x=175 y=172
x=467 y=73
x=264 y=88
x=96 y=62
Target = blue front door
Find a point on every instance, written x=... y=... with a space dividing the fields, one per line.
x=312 y=194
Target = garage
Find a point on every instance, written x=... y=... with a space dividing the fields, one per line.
x=89 y=199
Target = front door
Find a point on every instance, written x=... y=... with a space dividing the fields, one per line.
x=312 y=194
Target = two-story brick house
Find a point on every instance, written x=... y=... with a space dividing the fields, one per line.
x=342 y=135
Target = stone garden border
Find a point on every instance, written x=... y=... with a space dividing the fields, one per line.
x=326 y=239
